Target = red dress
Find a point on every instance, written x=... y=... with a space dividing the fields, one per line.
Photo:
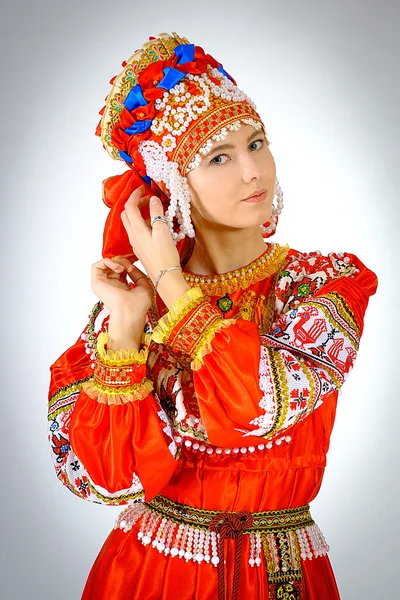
x=234 y=404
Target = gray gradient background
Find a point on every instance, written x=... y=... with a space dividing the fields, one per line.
x=324 y=77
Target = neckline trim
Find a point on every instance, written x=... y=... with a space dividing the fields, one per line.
x=264 y=266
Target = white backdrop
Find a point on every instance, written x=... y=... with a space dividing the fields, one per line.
x=324 y=77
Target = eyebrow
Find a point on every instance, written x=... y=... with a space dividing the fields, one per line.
x=229 y=146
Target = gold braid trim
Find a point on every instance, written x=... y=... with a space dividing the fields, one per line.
x=180 y=308
x=271 y=262
x=204 y=346
x=122 y=395
x=121 y=357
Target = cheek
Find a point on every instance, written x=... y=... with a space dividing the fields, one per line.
x=221 y=190
x=270 y=166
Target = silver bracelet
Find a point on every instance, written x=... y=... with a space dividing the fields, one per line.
x=161 y=273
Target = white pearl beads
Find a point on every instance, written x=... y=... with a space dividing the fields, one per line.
x=201 y=545
x=215 y=450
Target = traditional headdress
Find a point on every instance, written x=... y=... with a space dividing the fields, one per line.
x=166 y=108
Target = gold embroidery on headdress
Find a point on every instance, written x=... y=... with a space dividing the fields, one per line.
x=160 y=48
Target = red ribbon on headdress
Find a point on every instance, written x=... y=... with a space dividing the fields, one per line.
x=116 y=192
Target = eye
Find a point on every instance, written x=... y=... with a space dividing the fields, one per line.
x=262 y=141
x=215 y=158
x=256 y=141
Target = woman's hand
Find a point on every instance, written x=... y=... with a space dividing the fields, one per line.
x=109 y=283
x=153 y=246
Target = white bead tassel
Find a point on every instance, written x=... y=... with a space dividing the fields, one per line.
x=305 y=550
x=129 y=516
x=184 y=536
x=258 y=550
x=252 y=543
x=214 y=548
x=169 y=536
x=207 y=542
x=176 y=547
x=161 y=533
x=160 y=169
x=189 y=542
x=197 y=545
x=318 y=542
x=150 y=527
x=255 y=550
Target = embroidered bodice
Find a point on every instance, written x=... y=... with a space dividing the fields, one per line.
x=237 y=387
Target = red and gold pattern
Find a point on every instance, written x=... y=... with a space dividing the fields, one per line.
x=221 y=115
x=119 y=376
x=190 y=325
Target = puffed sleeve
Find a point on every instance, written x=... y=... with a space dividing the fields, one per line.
x=250 y=385
x=110 y=440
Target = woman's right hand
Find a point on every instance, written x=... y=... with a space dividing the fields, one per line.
x=109 y=283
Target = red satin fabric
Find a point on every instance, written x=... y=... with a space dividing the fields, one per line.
x=288 y=475
x=112 y=442
x=121 y=441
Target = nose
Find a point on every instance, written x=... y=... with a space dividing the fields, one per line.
x=252 y=167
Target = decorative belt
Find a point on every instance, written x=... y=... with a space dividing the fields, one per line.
x=284 y=537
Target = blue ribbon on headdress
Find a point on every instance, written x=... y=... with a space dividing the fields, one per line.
x=185 y=53
x=139 y=127
x=171 y=77
x=135 y=98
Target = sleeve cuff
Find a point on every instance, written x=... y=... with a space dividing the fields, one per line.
x=122 y=357
x=119 y=376
x=190 y=325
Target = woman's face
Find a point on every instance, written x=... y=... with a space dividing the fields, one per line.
x=226 y=176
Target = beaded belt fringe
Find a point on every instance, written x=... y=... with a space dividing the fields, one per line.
x=283 y=537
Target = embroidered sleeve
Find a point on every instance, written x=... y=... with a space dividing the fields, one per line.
x=314 y=341
x=107 y=432
x=249 y=386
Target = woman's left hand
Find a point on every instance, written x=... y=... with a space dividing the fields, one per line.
x=153 y=246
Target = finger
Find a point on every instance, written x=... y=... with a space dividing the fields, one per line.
x=107 y=263
x=124 y=262
x=132 y=211
x=157 y=209
x=134 y=272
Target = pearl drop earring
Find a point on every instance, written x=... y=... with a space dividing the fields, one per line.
x=276 y=210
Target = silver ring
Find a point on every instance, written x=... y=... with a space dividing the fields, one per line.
x=159 y=218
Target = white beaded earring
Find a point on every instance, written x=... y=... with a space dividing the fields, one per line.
x=276 y=210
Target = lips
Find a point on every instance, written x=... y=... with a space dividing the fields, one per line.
x=256 y=197
x=255 y=194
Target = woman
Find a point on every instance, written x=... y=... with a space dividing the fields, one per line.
x=203 y=394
